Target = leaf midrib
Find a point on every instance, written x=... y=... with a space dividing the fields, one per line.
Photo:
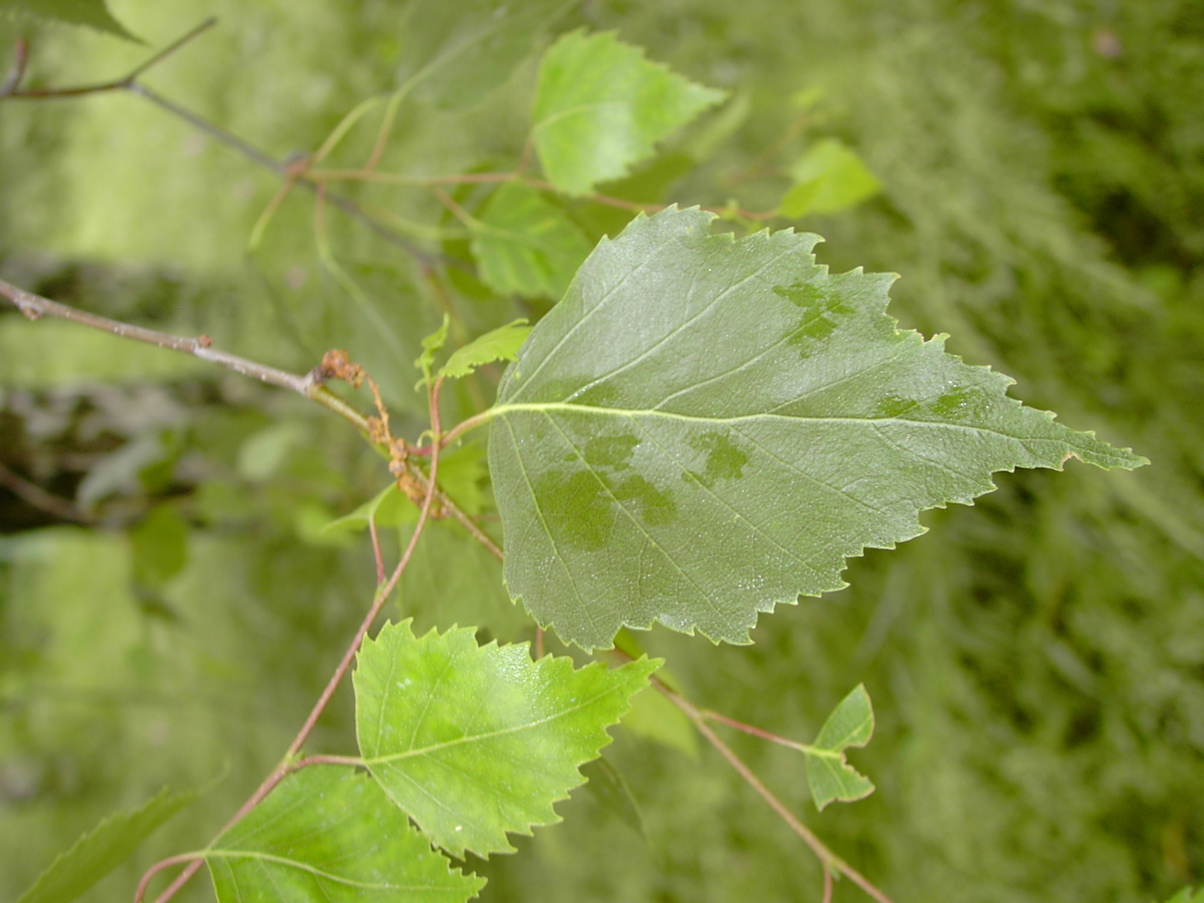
x=491 y=735
x=502 y=410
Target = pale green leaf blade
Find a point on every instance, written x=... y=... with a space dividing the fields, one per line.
x=103 y=848
x=829 y=775
x=430 y=347
x=455 y=54
x=600 y=107
x=828 y=178
x=526 y=245
x=704 y=428
x=499 y=344
x=1185 y=895
x=92 y=13
x=388 y=508
x=327 y=835
x=474 y=742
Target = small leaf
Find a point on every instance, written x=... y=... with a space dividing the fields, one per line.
x=497 y=344
x=474 y=742
x=828 y=178
x=526 y=245
x=430 y=347
x=705 y=428
x=388 y=508
x=1185 y=895
x=92 y=13
x=829 y=775
x=460 y=476
x=327 y=835
x=104 y=848
x=600 y=107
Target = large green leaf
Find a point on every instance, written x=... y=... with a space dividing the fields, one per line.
x=326 y=835
x=704 y=428
x=475 y=741
x=104 y=848
x=601 y=106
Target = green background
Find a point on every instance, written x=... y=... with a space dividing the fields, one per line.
x=1036 y=662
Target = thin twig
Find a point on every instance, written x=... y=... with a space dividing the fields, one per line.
x=116 y=85
x=760 y=733
x=39 y=498
x=130 y=83
x=343 y=761
x=310 y=385
x=291 y=757
x=17 y=73
x=192 y=858
x=828 y=859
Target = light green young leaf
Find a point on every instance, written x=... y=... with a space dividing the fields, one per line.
x=92 y=13
x=327 y=835
x=102 y=849
x=497 y=344
x=600 y=106
x=457 y=53
x=526 y=245
x=1185 y=895
x=705 y=428
x=828 y=178
x=829 y=775
x=474 y=742
x=431 y=345
x=388 y=508
x=460 y=476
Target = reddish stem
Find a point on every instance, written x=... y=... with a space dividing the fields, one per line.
x=290 y=760
x=748 y=728
x=829 y=860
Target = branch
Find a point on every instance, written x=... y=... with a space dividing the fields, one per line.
x=37 y=497
x=829 y=860
x=129 y=82
x=11 y=87
x=310 y=385
x=291 y=760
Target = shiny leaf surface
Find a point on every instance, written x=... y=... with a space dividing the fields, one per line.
x=601 y=106
x=474 y=742
x=704 y=428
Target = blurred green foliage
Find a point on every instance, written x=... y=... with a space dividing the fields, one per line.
x=1036 y=663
